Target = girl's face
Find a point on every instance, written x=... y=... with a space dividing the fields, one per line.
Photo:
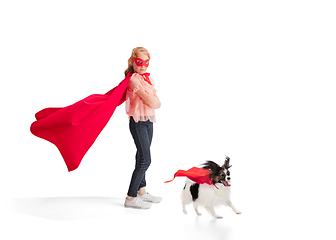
x=140 y=63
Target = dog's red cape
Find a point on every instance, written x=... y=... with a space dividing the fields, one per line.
x=73 y=129
x=198 y=175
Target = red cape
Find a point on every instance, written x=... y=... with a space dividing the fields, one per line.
x=198 y=175
x=73 y=129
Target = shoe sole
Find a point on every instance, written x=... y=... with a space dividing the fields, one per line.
x=151 y=201
x=127 y=206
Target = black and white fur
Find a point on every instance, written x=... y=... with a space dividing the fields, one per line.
x=208 y=195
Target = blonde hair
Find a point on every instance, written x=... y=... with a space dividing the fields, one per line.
x=135 y=53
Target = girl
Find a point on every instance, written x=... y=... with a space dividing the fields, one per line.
x=141 y=102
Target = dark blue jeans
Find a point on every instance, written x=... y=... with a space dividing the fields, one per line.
x=142 y=133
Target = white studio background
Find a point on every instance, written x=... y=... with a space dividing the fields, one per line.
x=249 y=79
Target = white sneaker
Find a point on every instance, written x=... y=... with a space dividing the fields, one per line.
x=150 y=198
x=137 y=203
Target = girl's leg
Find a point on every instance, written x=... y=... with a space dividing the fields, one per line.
x=143 y=181
x=142 y=133
x=142 y=186
x=142 y=189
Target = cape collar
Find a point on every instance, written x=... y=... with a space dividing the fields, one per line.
x=146 y=77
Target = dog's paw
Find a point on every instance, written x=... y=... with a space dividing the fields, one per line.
x=185 y=211
x=199 y=214
x=218 y=217
x=238 y=212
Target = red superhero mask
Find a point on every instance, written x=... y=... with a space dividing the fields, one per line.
x=139 y=62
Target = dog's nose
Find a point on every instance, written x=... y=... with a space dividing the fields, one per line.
x=228 y=178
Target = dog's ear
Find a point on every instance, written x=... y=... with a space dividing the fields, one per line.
x=211 y=166
x=227 y=163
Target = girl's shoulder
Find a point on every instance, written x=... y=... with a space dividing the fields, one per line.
x=135 y=76
x=137 y=79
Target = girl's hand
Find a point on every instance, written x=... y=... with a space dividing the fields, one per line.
x=150 y=100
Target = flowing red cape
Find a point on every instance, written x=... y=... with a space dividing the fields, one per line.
x=73 y=129
x=198 y=175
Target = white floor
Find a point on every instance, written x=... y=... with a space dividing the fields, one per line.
x=89 y=217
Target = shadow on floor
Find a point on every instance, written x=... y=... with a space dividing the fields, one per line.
x=68 y=208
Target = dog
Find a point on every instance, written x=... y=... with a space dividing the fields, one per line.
x=208 y=195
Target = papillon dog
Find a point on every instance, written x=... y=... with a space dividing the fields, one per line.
x=208 y=195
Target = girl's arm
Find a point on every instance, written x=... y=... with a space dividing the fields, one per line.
x=152 y=101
